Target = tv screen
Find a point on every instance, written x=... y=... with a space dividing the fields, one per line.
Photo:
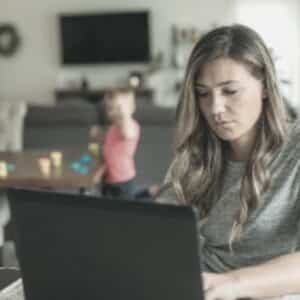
x=111 y=37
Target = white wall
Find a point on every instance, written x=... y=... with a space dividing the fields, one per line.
x=32 y=74
x=282 y=37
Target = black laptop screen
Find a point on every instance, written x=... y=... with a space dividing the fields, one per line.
x=78 y=247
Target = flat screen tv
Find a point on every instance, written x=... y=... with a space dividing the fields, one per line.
x=110 y=37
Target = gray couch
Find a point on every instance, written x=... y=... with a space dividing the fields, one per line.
x=68 y=123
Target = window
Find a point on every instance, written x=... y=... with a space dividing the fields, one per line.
x=277 y=22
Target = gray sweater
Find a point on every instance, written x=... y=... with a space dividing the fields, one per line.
x=272 y=230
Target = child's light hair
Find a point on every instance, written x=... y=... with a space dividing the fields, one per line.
x=128 y=93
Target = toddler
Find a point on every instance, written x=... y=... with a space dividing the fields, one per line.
x=117 y=173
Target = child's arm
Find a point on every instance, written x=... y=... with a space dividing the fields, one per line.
x=96 y=133
x=128 y=128
x=97 y=178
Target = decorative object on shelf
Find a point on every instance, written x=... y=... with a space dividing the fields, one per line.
x=166 y=84
x=84 y=84
x=155 y=64
x=9 y=39
x=183 y=40
x=135 y=79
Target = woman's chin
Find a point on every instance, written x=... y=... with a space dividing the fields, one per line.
x=228 y=136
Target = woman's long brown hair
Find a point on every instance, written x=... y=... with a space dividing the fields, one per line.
x=200 y=156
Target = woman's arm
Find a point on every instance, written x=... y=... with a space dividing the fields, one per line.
x=277 y=277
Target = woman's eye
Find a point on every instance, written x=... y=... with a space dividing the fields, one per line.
x=202 y=94
x=230 y=92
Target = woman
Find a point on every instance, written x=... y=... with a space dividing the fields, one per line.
x=237 y=159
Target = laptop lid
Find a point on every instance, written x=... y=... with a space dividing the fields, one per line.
x=80 y=247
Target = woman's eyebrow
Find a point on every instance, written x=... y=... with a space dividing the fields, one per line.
x=222 y=83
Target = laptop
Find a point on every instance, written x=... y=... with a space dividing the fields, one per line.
x=81 y=247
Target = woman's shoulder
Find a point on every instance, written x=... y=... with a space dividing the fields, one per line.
x=289 y=154
x=296 y=125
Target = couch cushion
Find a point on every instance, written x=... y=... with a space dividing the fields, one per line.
x=154 y=115
x=145 y=114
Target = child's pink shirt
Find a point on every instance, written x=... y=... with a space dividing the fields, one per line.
x=119 y=154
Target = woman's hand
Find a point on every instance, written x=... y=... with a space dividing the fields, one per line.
x=220 y=286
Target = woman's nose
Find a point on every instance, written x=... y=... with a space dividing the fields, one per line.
x=217 y=104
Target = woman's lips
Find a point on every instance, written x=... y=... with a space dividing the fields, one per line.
x=224 y=123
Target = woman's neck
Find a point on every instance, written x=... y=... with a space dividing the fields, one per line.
x=240 y=149
x=239 y=153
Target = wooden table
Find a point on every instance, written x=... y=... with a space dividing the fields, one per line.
x=27 y=172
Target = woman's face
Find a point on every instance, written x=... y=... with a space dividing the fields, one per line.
x=230 y=98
